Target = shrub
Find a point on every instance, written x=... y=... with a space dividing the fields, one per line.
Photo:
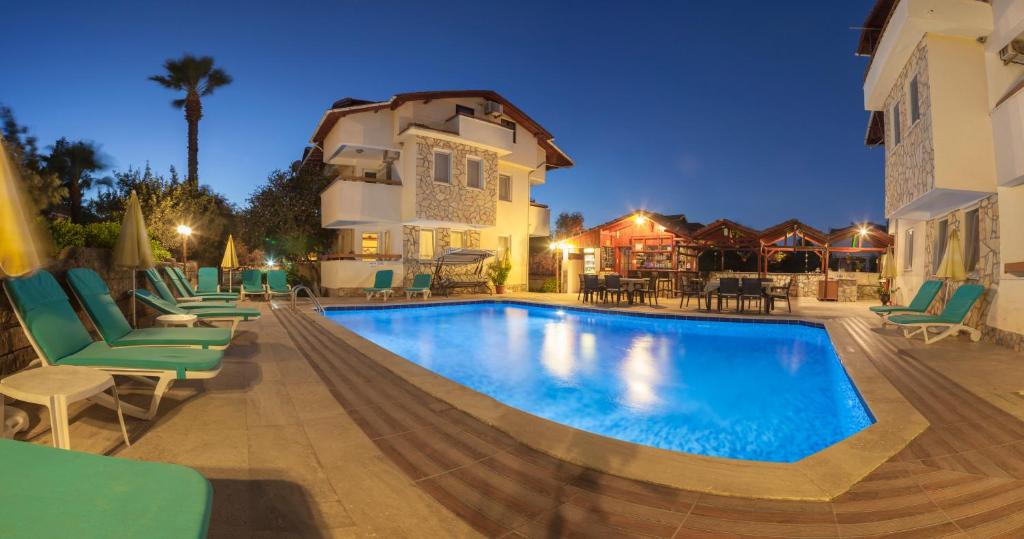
x=159 y=253
x=66 y=234
x=102 y=234
x=499 y=270
x=549 y=286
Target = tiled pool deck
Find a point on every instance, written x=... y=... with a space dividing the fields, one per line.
x=304 y=435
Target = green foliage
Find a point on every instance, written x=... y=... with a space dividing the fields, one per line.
x=44 y=188
x=549 y=286
x=75 y=164
x=499 y=270
x=102 y=234
x=282 y=218
x=159 y=252
x=66 y=234
x=568 y=224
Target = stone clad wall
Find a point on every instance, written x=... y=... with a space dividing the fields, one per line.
x=909 y=166
x=859 y=285
x=442 y=240
x=15 y=350
x=456 y=202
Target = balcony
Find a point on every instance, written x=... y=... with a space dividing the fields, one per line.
x=1008 y=131
x=352 y=200
x=539 y=221
x=466 y=129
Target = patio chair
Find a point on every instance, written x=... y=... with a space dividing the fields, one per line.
x=949 y=322
x=381 y=285
x=165 y=293
x=612 y=285
x=252 y=284
x=750 y=290
x=207 y=282
x=919 y=305
x=728 y=287
x=693 y=288
x=113 y=327
x=650 y=292
x=591 y=287
x=185 y=290
x=99 y=496
x=579 y=293
x=420 y=285
x=59 y=338
x=780 y=292
x=277 y=284
x=234 y=315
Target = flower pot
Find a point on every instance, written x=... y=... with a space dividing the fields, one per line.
x=499 y=289
x=885 y=298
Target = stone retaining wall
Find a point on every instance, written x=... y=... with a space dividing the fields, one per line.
x=15 y=350
x=805 y=285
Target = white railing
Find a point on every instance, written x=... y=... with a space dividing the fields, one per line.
x=310 y=294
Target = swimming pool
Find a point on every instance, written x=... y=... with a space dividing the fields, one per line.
x=742 y=390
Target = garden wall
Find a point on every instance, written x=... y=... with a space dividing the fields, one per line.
x=15 y=350
x=805 y=285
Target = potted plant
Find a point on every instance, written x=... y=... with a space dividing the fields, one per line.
x=498 y=271
x=883 y=295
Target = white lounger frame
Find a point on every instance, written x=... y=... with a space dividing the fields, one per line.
x=947 y=329
x=425 y=293
x=164 y=378
x=384 y=294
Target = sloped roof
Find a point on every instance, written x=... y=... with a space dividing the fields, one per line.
x=776 y=233
x=555 y=157
x=709 y=232
x=874 y=25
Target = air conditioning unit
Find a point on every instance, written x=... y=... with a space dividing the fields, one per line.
x=1013 y=52
x=493 y=108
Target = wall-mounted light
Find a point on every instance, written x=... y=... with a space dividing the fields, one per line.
x=640 y=219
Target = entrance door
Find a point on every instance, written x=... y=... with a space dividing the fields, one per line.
x=625 y=256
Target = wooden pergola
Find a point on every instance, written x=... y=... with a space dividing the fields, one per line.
x=792 y=236
x=725 y=235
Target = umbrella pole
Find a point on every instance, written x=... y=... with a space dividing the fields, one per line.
x=135 y=323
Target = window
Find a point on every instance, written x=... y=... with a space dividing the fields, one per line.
x=510 y=125
x=370 y=243
x=474 y=173
x=462 y=109
x=504 y=247
x=369 y=174
x=457 y=239
x=896 y=128
x=941 y=237
x=442 y=167
x=505 y=187
x=426 y=244
x=346 y=240
x=915 y=108
x=972 y=240
x=908 y=249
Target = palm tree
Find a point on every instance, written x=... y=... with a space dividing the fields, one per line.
x=197 y=77
x=73 y=163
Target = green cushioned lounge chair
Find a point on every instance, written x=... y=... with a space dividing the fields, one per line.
x=420 y=285
x=949 y=322
x=185 y=290
x=277 y=284
x=234 y=316
x=59 y=338
x=61 y=493
x=381 y=285
x=920 y=303
x=158 y=284
x=99 y=306
x=208 y=283
x=252 y=284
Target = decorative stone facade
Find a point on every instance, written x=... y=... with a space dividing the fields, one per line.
x=455 y=202
x=442 y=240
x=909 y=165
x=859 y=285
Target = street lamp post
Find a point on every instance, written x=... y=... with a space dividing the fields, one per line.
x=185 y=232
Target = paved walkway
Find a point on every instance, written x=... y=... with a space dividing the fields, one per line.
x=304 y=436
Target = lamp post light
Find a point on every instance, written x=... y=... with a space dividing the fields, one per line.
x=185 y=232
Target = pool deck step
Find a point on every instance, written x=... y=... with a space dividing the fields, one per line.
x=962 y=476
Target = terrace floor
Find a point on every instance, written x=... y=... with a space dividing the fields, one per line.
x=303 y=435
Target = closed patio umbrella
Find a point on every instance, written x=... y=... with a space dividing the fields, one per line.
x=889 y=267
x=22 y=246
x=952 y=265
x=132 y=250
x=230 y=260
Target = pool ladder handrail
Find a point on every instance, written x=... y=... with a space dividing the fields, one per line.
x=310 y=294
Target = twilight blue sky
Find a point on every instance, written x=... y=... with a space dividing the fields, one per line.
x=745 y=109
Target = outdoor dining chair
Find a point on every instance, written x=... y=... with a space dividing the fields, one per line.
x=728 y=287
x=750 y=291
x=613 y=285
x=780 y=292
x=692 y=289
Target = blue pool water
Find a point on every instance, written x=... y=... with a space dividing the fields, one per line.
x=768 y=392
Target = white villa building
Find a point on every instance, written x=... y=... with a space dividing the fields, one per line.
x=425 y=171
x=945 y=87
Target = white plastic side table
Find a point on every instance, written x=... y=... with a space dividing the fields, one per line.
x=187 y=320
x=55 y=388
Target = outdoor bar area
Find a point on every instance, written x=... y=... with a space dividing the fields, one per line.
x=667 y=257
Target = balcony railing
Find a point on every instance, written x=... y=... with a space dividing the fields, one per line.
x=355 y=199
x=539 y=220
x=1008 y=131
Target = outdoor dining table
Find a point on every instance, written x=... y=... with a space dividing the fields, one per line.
x=631 y=285
x=712 y=286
